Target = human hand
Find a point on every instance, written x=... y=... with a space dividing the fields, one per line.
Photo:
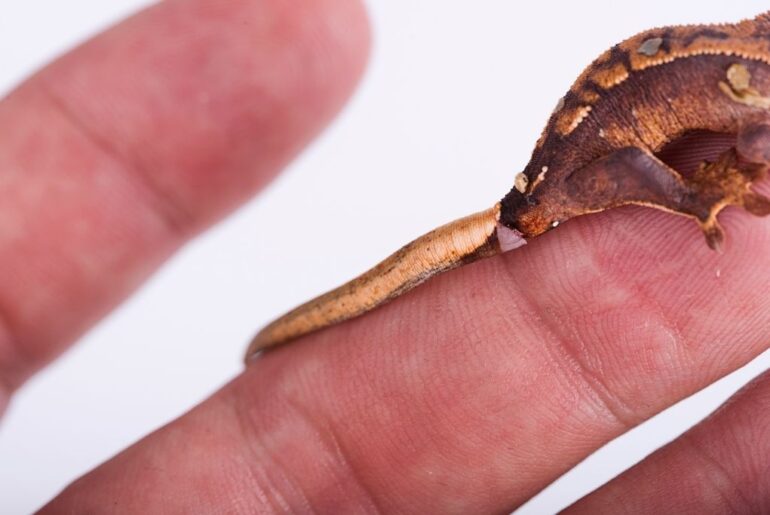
x=529 y=362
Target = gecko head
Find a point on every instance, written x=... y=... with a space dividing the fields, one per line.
x=536 y=203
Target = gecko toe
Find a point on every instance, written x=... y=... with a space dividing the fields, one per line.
x=756 y=204
x=715 y=235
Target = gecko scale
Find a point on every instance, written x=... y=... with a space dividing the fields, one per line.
x=675 y=118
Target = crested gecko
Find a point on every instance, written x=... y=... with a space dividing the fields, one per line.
x=620 y=136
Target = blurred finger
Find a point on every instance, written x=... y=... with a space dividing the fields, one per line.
x=117 y=153
x=720 y=466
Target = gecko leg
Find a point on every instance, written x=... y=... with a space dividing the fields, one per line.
x=635 y=176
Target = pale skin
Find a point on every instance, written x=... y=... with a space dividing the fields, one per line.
x=508 y=387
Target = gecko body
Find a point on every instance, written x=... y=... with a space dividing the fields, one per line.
x=674 y=118
x=602 y=146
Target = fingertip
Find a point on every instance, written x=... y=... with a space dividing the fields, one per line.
x=147 y=134
x=214 y=97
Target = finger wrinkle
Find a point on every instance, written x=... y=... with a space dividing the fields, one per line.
x=676 y=343
x=283 y=442
x=222 y=96
x=261 y=462
x=572 y=362
x=637 y=290
x=334 y=446
x=721 y=478
x=339 y=465
x=163 y=203
x=621 y=413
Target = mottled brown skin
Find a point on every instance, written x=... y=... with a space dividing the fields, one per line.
x=676 y=118
x=602 y=145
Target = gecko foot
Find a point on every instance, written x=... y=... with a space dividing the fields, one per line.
x=725 y=182
x=634 y=176
x=756 y=204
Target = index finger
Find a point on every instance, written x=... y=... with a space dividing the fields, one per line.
x=123 y=149
x=473 y=392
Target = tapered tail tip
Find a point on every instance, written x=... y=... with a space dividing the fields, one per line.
x=254 y=349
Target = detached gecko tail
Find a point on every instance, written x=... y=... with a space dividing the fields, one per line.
x=452 y=245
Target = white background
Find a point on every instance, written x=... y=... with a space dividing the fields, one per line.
x=455 y=96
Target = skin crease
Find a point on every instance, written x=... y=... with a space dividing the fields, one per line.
x=531 y=360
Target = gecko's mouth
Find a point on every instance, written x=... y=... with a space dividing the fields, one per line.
x=686 y=153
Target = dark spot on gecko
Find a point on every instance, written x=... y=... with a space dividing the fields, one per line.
x=593 y=88
x=704 y=33
x=666 y=44
x=618 y=55
x=491 y=245
x=762 y=26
